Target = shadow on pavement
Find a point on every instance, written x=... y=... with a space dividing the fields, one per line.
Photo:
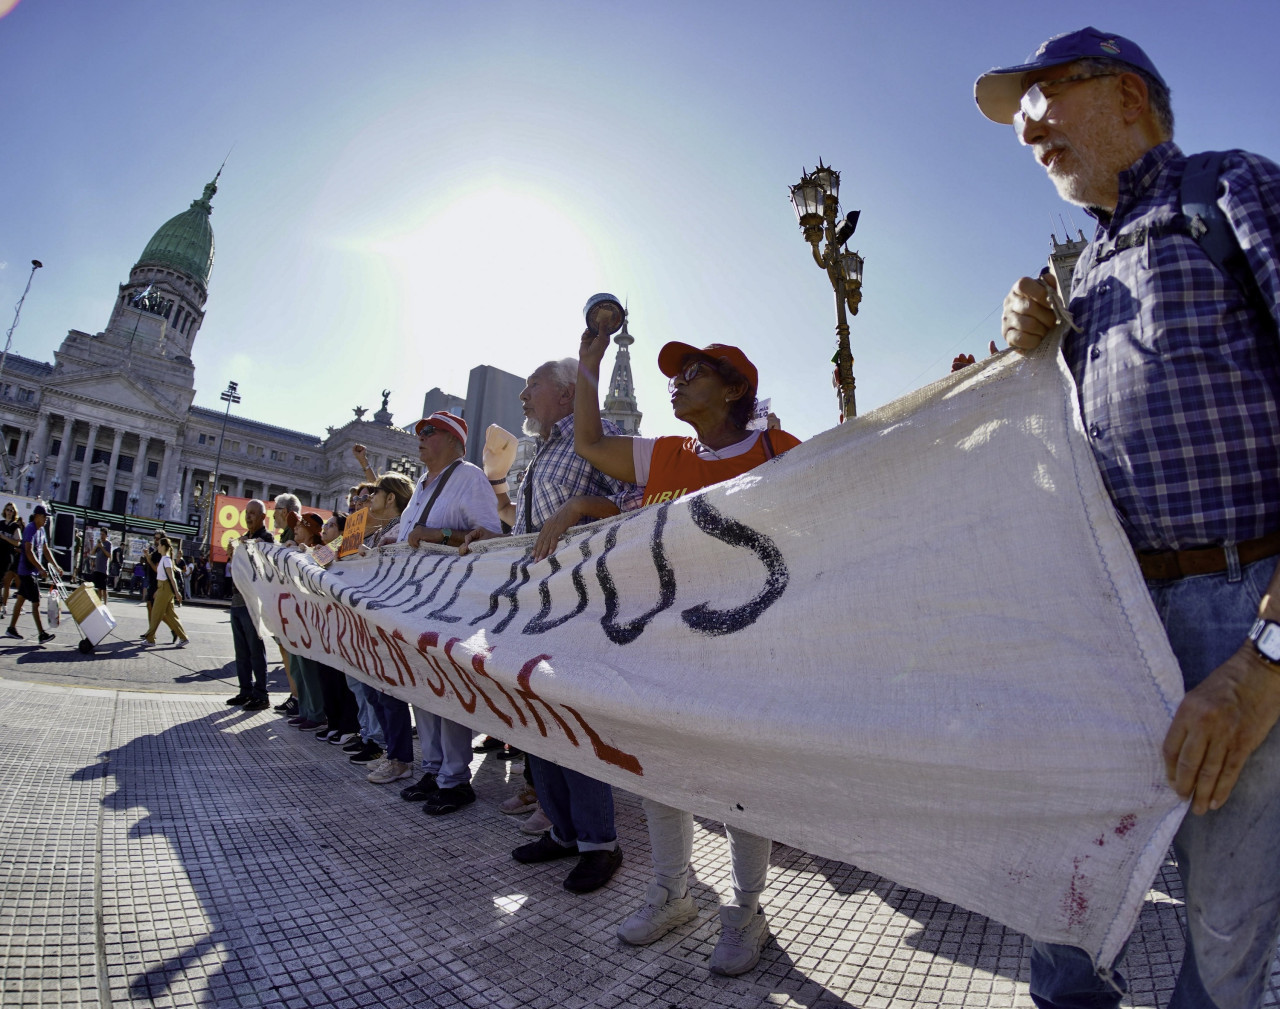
x=260 y=872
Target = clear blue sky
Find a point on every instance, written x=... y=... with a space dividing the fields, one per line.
x=420 y=187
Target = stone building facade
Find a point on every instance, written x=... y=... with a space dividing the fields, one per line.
x=110 y=423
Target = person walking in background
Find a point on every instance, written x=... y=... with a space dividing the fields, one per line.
x=35 y=548
x=101 y=562
x=167 y=594
x=10 y=548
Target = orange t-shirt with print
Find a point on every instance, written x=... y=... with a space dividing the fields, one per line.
x=676 y=469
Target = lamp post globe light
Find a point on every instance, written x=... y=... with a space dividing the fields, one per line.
x=816 y=198
x=133 y=504
x=54 y=484
x=229 y=396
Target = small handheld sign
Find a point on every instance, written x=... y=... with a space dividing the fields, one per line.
x=353 y=533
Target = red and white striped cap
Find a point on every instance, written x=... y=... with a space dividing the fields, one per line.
x=443 y=420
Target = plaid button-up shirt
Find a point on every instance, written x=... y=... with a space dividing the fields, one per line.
x=559 y=473
x=1178 y=376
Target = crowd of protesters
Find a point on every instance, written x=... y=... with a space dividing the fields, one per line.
x=584 y=468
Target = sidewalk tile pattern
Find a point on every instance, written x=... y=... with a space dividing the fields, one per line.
x=242 y=863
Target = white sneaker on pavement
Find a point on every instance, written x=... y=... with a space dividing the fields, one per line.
x=743 y=934
x=389 y=771
x=659 y=914
x=535 y=824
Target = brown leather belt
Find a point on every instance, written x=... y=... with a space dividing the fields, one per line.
x=1162 y=565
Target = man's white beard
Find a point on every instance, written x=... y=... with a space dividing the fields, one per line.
x=532 y=428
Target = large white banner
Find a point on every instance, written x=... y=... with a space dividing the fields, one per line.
x=918 y=642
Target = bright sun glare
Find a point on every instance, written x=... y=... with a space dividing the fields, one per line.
x=495 y=277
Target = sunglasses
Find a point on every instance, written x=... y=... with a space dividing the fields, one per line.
x=691 y=371
x=1035 y=103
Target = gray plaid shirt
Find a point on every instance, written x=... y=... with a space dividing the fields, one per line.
x=559 y=473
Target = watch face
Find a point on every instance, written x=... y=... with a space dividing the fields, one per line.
x=1269 y=642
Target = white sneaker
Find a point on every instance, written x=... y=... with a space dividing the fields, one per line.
x=742 y=936
x=389 y=771
x=536 y=824
x=658 y=916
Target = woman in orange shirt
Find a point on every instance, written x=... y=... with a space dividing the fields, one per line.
x=713 y=389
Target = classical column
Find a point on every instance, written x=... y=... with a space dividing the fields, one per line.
x=166 y=472
x=109 y=494
x=39 y=447
x=86 y=475
x=139 y=471
x=188 y=478
x=21 y=458
x=65 y=452
x=239 y=486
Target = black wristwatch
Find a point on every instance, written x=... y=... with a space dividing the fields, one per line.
x=445 y=536
x=1265 y=636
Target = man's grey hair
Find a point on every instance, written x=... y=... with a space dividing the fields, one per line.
x=563 y=373
x=1157 y=94
x=289 y=502
x=256 y=501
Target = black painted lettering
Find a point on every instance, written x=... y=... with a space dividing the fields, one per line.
x=539 y=624
x=624 y=634
x=704 y=617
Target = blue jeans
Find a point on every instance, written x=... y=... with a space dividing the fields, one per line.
x=580 y=808
x=393 y=716
x=446 y=748
x=1227 y=857
x=251 y=655
x=370 y=727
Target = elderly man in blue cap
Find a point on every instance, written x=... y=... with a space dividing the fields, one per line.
x=1176 y=304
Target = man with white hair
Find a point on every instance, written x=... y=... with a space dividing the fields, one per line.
x=284 y=504
x=559 y=490
x=1174 y=352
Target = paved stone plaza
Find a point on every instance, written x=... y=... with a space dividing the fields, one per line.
x=161 y=849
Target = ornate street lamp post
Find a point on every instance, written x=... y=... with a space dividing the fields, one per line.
x=817 y=203
x=229 y=396
x=54 y=484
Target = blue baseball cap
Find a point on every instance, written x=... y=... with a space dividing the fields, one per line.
x=998 y=91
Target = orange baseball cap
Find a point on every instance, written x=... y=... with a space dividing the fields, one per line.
x=673 y=355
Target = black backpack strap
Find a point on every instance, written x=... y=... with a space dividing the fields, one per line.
x=1208 y=225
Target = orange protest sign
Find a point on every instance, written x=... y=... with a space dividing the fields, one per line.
x=353 y=533
x=228 y=523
